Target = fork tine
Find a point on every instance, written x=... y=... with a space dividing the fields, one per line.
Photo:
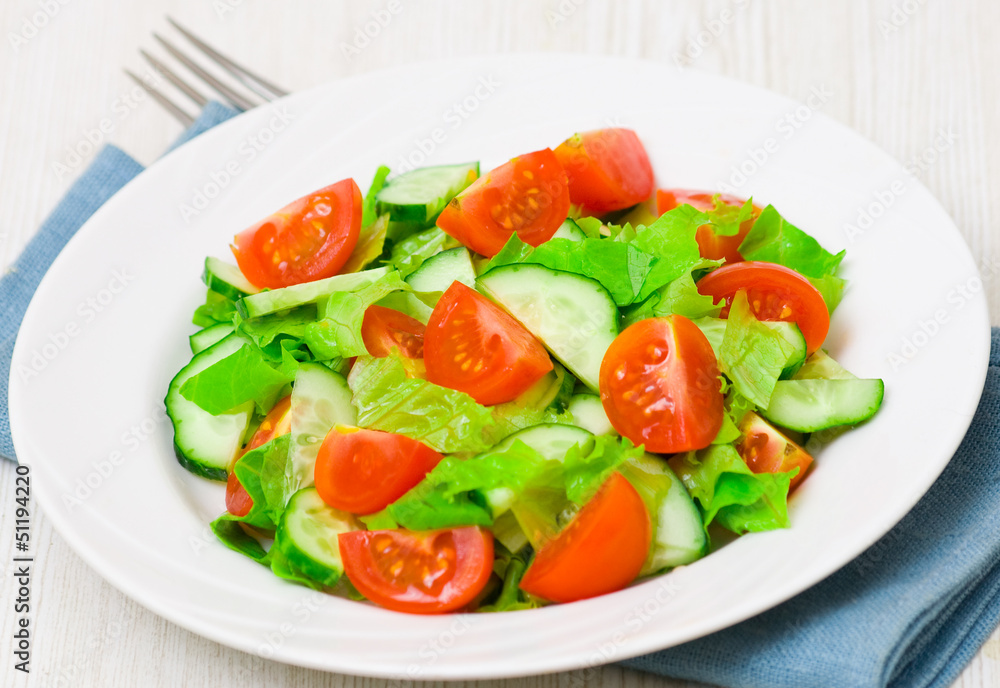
x=234 y=98
x=183 y=117
x=199 y=99
x=255 y=83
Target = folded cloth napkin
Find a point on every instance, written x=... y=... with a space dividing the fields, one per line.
x=909 y=612
x=110 y=171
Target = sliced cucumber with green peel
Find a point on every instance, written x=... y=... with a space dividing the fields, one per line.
x=820 y=366
x=321 y=400
x=678 y=532
x=307 y=536
x=202 y=339
x=267 y=302
x=206 y=444
x=792 y=334
x=569 y=230
x=814 y=404
x=420 y=195
x=226 y=279
x=438 y=272
x=588 y=413
x=573 y=316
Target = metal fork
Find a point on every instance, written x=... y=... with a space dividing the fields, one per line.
x=259 y=86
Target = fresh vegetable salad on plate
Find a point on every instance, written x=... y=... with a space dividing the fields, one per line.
x=493 y=391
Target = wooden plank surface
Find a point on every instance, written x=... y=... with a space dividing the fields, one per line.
x=915 y=76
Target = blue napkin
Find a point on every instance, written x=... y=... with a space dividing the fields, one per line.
x=910 y=612
x=110 y=171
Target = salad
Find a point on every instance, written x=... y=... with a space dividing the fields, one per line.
x=466 y=392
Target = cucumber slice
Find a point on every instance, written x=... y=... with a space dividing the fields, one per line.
x=206 y=444
x=202 y=339
x=226 y=279
x=321 y=399
x=791 y=333
x=815 y=404
x=438 y=272
x=551 y=440
x=307 y=536
x=569 y=230
x=573 y=316
x=419 y=196
x=588 y=413
x=267 y=302
x=508 y=532
x=820 y=366
x=678 y=532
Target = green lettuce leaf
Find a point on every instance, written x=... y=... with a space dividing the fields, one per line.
x=216 y=309
x=264 y=330
x=426 y=507
x=243 y=376
x=671 y=239
x=726 y=219
x=368 y=209
x=776 y=240
x=585 y=472
x=262 y=473
x=371 y=244
x=444 y=419
x=227 y=528
x=730 y=493
x=338 y=331
x=408 y=254
x=510 y=569
x=831 y=288
x=752 y=354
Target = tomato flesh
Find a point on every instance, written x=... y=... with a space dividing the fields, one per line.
x=607 y=169
x=766 y=449
x=385 y=329
x=601 y=550
x=474 y=346
x=774 y=293
x=421 y=573
x=308 y=239
x=276 y=423
x=363 y=471
x=527 y=196
x=711 y=245
x=660 y=385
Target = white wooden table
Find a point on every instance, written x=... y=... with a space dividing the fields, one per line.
x=918 y=77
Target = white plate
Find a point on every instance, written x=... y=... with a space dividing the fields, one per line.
x=108 y=329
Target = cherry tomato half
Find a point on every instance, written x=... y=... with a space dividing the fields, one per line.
x=308 y=239
x=527 y=195
x=385 y=329
x=276 y=423
x=766 y=450
x=774 y=293
x=608 y=169
x=710 y=245
x=363 y=471
x=601 y=550
x=474 y=346
x=660 y=385
x=421 y=573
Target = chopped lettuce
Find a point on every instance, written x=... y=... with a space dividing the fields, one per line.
x=216 y=309
x=228 y=529
x=425 y=507
x=752 y=354
x=243 y=376
x=671 y=238
x=776 y=240
x=263 y=330
x=726 y=219
x=371 y=243
x=679 y=297
x=831 y=288
x=732 y=495
x=368 y=209
x=261 y=472
x=338 y=331
x=444 y=419
x=407 y=255
x=584 y=472
x=510 y=569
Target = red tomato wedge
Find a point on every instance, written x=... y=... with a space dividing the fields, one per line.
x=308 y=239
x=421 y=573
x=767 y=450
x=527 y=195
x=474 y=346
x=385 y=329
x=660 y=385
x=774 y=293
x=276 y=423
x=608 y=169
x=363 y=471
x=601 y=550
x=710 y=245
